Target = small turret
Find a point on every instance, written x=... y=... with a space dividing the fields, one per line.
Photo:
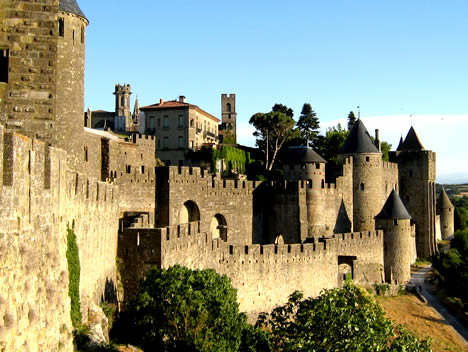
x=399 y=240
x=446 y=210
x=302 y=163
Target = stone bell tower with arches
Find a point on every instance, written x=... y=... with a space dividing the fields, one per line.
x=229 y=115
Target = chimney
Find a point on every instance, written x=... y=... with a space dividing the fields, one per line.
x=161 y=101
x=378 y=145
x=181 y=99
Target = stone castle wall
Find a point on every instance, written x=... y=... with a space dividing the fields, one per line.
x=39 y=197
x=28 y=37
x=210 y=196
x=264 y=275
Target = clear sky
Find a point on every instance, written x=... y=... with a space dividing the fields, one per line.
x=392 y=58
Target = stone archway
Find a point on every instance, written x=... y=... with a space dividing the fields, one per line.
x=189 y=212
x=218 y=227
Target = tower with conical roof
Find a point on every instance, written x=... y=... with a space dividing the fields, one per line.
x=368 y=194
x=416 y=175
x=399 y=240
x=446 y=211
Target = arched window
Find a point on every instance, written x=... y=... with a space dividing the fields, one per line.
x=189 y=212
x=218 y=227
x=228 y=107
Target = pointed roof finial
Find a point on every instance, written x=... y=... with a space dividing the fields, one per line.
x=359 y=140
x=393 y=208
x=412 y=141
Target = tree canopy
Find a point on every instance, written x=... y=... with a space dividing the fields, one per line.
x=351 y=120
x=273 y=129
x=346 y=319
x=308 y=124
x=179 y=309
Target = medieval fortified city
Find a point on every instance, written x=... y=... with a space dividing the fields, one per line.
x=131 y=186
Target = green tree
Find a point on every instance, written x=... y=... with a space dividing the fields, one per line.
x=351 y=120
x=179 y=309
x=284 y=109
x=308 y=124
x=329 y=145
x=273 y=129
x=346 y=319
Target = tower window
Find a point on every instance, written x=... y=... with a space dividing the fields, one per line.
x=4 y=63
x=82 y=34
x=361 y=186
x=228 y=107
x=367 y=158
x=85 y=153
x=61 y=27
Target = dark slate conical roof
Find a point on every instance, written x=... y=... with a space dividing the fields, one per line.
x=444 y=201
x=400 y=144
x=359 y=140
x=394 y=208
x=303 y=154
x=71 y=6
x=412 y=141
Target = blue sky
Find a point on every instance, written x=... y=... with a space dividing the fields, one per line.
x=392 y=58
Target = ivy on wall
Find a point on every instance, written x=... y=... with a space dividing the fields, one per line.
x=235 y=159
x=73 y=260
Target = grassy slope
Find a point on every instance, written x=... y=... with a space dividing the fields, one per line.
x=423 y=321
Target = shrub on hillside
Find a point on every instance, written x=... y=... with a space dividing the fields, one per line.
x=346 y=319
x=179 y=309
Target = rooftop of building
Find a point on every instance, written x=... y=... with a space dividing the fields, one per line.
x=394 y=208
x=411 y=142
x=177 y=104
x=71 y=6
x=359 y=140
x=302 y=154
x=444 y=201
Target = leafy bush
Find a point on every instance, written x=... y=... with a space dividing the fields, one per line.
x=346 y=319
x=73 y=260
x=452 y=266
x=183 y=310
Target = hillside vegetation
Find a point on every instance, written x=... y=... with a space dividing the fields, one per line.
x=179 y=309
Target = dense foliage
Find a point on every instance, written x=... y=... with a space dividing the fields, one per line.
x=73 y=260
x=273 y=130
x=461 y=212
x=179 y=309
x=308 y=124
x=236 y=159
x=346 y=319
x=452 y=267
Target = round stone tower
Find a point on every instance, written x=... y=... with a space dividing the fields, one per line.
x=71 y=23
x=446 y=210
x=303 y=164
x=399 y=240
x=367 y=177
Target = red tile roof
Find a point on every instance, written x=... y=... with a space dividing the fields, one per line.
x=176 y=104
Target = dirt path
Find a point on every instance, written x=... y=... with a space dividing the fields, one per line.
x=418 y=279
